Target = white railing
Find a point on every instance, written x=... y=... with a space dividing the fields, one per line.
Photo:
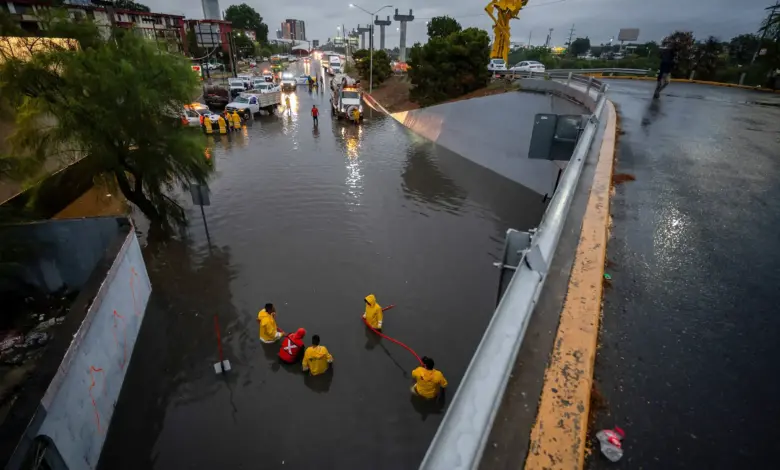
x=462 y=435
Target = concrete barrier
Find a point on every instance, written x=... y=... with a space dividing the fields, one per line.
x=68 y=409
x=493 y=131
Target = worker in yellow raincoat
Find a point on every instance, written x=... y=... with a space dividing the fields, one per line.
x=373 y=314
x=207 y=125
x=269 y=332
x=356 y=115
x=316 y=359
x=429 y=381
x=222 y=125
x=236 y=120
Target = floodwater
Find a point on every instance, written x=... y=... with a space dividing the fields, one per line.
x=313 y=219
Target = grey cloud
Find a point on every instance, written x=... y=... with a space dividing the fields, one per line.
x=598 y=19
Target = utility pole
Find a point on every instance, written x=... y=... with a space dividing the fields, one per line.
x=529 y=37
x=549 y=38
x=571 y=35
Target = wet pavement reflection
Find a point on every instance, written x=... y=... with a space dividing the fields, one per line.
x=313 y=219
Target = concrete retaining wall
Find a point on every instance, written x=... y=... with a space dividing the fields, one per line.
x=75 y=411
x=494 y=131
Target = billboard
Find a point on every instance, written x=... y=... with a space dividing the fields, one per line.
x=628 y=34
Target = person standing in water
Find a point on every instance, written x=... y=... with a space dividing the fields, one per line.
x=428 y=381
x=292 y=345
x=373 y=314
x=664 y=71
x=316 y=359
x=269 y=332
x=315 y=113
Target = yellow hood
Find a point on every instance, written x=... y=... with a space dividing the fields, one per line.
x=373 y=313
x=371 y=299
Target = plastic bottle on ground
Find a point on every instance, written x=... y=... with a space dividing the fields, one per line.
x=610 y=440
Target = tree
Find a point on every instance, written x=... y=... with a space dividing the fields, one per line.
x=579 y=46
x=648 y=49
x=442 y=26
x=244 y=45
x=445 y=68
x=245 y=17
x=382 y=68
x=131 y=136
x=682 y=44
x=123 y=4
x=707 y=56
x=742 y=48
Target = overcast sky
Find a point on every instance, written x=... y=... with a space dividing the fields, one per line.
x=597 y=19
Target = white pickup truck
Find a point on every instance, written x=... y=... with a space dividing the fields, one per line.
x=250 y=103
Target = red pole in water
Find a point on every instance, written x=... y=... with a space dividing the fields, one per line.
x=219 y=338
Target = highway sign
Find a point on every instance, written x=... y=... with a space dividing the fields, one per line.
x=628 y=34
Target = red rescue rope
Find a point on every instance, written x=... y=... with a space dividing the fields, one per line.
x=393 y=339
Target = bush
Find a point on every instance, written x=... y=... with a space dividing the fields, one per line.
x=382 y=69
x=449 y=67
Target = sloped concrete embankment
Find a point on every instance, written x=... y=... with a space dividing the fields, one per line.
x=495 y=132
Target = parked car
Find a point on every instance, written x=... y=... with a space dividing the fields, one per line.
x=528 y=66
x=496 y=65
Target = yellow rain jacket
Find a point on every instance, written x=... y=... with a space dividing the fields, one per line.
x=236 y=120
x=429 y=382
x=268 y=329
x=316 y=359
x=222 y=126
x=207 y=123
x=373 y=313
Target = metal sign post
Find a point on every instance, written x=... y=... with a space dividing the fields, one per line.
x=200 y=197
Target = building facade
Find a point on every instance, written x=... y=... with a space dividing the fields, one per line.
x=293 y=29
x=165 y=30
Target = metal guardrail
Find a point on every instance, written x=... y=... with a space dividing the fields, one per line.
x=461 y=438
x=576 y=72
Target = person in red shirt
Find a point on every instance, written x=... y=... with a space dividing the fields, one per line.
x=292 y=346
x=315 y=114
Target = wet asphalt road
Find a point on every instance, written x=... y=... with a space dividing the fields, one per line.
x=689 y=342
x=313 y=219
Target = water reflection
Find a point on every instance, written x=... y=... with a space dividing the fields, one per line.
x=424 y=182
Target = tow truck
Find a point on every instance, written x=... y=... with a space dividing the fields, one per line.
x=346 y=97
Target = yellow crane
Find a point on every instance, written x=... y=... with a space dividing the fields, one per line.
x=501 y=11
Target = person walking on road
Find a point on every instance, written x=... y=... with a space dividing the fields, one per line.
x=315 y=113
x=664 y=71
x=287 y=103
x=316 y=359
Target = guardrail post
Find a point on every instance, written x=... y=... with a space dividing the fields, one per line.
x=590 y=83
x=742 y=78
x=568 y=80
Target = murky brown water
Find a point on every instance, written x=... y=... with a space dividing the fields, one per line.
x=313 y=219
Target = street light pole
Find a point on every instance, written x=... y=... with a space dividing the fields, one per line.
x=370 y=43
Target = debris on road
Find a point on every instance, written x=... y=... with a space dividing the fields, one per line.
x=611 y=445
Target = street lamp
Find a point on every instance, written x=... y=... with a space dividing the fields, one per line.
x=371 y=44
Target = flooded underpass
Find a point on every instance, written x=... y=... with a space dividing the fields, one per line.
x=313 y=219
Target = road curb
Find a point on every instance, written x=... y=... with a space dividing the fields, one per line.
x=559 y=435
x=700 y=82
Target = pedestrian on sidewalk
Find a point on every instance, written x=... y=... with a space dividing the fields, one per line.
x=315 y=113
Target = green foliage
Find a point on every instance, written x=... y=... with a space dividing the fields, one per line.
x=708 y=58
x=382 y=69
x=648 y=49
x=442 y=26
x=742 y=48
x=682 y=43
x=244 y=46
x=579 y=46
x=540 y=54
x=123 y=4
x=245 y=17
x=450 y=67
x=78 y=100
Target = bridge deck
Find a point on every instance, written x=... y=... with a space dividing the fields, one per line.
x=688 y=343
